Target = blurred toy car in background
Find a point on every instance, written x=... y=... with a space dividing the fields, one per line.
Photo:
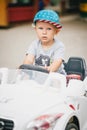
x=33 y=99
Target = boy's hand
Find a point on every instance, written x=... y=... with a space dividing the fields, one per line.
x=47 y=68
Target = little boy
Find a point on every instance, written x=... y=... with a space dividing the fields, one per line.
x=46 y=50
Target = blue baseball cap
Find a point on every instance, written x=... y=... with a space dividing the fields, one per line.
x=48 y=16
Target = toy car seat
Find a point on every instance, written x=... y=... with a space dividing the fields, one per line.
x=76 y=68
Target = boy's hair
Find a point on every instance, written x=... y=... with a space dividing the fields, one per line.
x=48 y=16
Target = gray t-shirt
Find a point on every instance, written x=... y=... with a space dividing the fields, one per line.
x=46 y=57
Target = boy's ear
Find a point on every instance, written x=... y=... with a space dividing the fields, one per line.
x=57 y=31
x=34 y=27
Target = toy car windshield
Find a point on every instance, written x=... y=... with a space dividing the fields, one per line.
x=12 y=76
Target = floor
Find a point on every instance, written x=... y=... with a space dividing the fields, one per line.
x=15 y=40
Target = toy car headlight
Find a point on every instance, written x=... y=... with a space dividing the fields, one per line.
x=44 y=122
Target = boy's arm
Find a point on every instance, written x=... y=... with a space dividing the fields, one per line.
x=29 y=59
x=54 y=66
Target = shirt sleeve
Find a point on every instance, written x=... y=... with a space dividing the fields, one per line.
x=32 y=48
x=59 y=51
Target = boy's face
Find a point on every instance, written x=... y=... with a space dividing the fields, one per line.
x=45 y=31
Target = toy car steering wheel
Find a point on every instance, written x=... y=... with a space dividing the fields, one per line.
x=33 y=67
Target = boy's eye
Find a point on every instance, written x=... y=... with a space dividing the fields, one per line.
x=40 y=28
x=48 y=28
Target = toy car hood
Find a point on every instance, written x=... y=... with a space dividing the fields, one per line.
x=28 y=101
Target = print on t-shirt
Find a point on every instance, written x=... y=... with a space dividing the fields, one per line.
x=43 y=60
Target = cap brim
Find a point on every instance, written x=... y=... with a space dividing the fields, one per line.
x=57 y=25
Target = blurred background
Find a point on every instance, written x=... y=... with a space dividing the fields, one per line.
x=17 y=33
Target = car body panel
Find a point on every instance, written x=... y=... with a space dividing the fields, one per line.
x=23 y=99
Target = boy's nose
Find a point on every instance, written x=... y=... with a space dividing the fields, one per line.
x=44 y=31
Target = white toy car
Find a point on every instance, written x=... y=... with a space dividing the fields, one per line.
x=34 y=100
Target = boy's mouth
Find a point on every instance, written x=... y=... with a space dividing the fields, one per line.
x=44 y=38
